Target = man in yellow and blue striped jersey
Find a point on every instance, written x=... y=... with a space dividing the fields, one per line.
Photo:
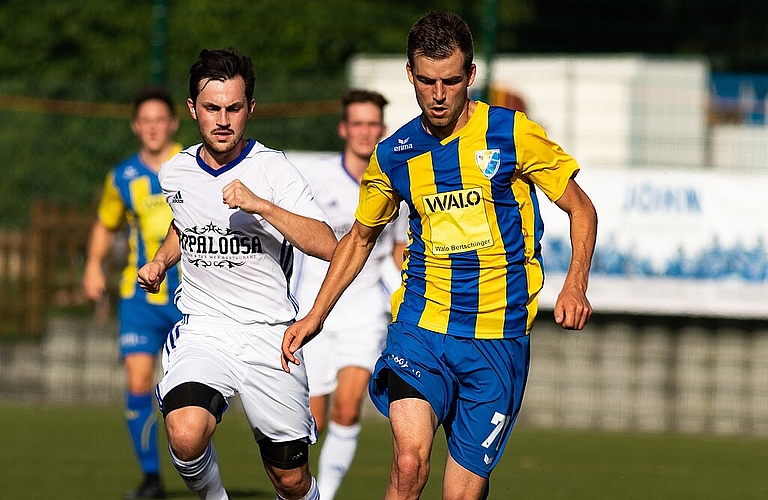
x=132 y=199
x=457 y=352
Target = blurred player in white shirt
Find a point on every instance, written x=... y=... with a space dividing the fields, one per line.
x=238 y=210
x=341 y=358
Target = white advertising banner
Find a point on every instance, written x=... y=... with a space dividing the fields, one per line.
x=687 y=242
x=670 y=242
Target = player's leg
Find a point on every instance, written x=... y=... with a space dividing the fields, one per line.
x=276 y=405
x=413 y=424
x=491 y=377
x=142 y=330
x=141 y=421
x=343 y=430
x=193 y=396
x=462 y=484
x=318 y=405
x=191 y=412
x=413 y=387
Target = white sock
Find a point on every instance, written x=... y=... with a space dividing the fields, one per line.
x=312 y=494
x=335 y=457
x=201 y=475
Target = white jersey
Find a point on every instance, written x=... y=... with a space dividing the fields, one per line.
x=235 y=265
x=337 y=193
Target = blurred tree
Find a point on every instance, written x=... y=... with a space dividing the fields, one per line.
x=100 y=52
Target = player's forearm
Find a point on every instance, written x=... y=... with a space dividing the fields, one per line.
x=583 y=235
x=169 y=252
x=99 y=244
x=310 y=236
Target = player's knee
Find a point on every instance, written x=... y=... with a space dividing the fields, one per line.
x=410 y=471
x=191 y=412
x=189 y=431
x=345 y=414
x=293 y=483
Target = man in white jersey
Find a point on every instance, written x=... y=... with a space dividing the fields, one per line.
x=239 y=208
x=340 y=361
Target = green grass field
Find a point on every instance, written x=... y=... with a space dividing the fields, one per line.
x=82 y=453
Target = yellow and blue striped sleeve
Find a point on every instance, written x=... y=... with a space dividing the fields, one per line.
x=378 y=203
x=112 y=209
x=542 y=160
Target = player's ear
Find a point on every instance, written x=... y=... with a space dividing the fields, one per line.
x=174 y=125
x=471 y=75
x=251 y=107
x=191 y=107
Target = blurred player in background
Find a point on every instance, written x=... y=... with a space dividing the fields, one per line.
x=340 y=361
x=238 y=209
x=457 y=354
x=132 y=197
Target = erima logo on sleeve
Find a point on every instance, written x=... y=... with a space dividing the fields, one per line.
x=403 y=144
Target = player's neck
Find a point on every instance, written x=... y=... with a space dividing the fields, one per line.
x=355 y=165
x=154 y=159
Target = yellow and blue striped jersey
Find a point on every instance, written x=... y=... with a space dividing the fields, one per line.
x=473 y=263
x=132 y=196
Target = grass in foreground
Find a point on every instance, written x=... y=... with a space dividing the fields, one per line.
x=82 y=453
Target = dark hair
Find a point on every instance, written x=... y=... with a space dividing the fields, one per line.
x=437 y=35
x=152 y=92
x=353 y=96
x=221 y=64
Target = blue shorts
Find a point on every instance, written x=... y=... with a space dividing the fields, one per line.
x=475 y=387
x=144 y=327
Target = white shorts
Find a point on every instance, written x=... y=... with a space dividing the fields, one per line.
x=240 y=360
x=336 y=347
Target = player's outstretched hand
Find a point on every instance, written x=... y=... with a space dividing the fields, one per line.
x=237 y=195
x=296 y=336
x=151 y=275
x=572 y=309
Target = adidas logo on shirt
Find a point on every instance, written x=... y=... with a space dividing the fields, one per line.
x=177 y=198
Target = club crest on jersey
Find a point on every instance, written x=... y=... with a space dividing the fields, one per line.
x=488 y=161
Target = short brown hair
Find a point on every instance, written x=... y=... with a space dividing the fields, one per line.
x=221 y=64
x=152 y=92
x=437 y=35
x=353 y=96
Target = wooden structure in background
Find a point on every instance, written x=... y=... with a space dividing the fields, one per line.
x=41 y=267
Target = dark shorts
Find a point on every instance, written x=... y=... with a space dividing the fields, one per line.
x=144 y=327
x=475 y=387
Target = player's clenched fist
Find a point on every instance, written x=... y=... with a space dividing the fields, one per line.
x=237 y=195
x=151 y=275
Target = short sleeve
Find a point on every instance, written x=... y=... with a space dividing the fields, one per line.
x=111 y=211
x=292 y=192
x=541 y=160
x=378 y=203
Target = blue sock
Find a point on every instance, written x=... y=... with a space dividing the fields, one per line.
x=141 y=419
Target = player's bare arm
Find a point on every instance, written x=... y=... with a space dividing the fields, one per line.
x=310 y=236
x=572 y=309
x=152 y=274
x=349 y=258
x=94 y=281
